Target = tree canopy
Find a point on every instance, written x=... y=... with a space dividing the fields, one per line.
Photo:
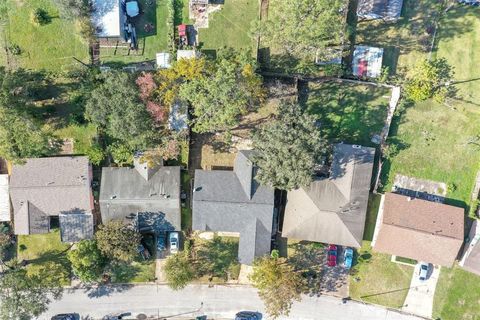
x=115 y=107
x=287 y=148
x=87 y=261
x=301 y=27
x=429 y=79
x=178 y=270
x=278 y=284
x=117 y=241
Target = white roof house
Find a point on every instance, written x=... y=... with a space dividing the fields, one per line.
x=367 y=61
x=107 y=18
x=4 y=198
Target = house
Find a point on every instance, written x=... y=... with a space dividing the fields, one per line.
x=4 y=198
x=471 y=257
x=50 y=191
x=234 y=202
x=367 y=61
x=419 y=229
x=107 y=18
x=388 y=10
x=333 y=208
x=148 y=196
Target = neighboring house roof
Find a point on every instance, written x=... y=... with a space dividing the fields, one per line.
x=367 y=61
x=107 y=18
x=126 y=192
x=232 y=201
x=4 y=198
x=471 y=258
x=333 y=209
x=421 y=230
x=45 y=187
x=76 y=227
x=379 y=9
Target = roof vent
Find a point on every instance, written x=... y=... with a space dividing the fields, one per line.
x=356 y=146
x=113 y=197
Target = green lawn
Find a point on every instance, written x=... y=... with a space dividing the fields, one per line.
x=457 y=295
x=150 y=43
x=135 y=272
x=51 y=46
x=374 y=277
x=230 y=26
x=406 y=41
x=41 y=250
x=349 y=112
x=82 y=135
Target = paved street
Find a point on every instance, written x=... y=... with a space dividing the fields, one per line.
x=219 y=302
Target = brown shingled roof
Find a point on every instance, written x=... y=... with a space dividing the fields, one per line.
x=420 y=229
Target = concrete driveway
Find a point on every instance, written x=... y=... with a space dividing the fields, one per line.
x=419 y=299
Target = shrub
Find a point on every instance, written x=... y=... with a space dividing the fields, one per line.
x=96 y=154
x=40 y=17
x=171 y=27
x=15 y=49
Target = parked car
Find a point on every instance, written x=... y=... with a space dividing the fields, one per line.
x=248 y=315
x=161 y=242
x=65 y=316
x=348 y=258
x=423 y=271
x=332 y=255
x=173 y=239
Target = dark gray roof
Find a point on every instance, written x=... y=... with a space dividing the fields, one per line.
x=76 y=226
x=124 y=192
x=232 y=201
x=46 y=187
x=333 y=209
x=379 y=9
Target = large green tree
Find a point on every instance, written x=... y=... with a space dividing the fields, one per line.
x=225 y=92
x=300 y=28
x=87 y=261
x=25 y=296
x=115 y=107
x=278 y=284
x=430 y=79
x=118 y=241
x=178 y=270
x=288 y=148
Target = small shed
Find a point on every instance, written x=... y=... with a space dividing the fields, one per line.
x=178 y=118
x=367 y=61
x=187 y=54
x=107 y=18
x=4 y=198
x=163 y=60
x=388 y=10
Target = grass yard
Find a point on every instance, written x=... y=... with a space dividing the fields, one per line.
x=51 y=46
x=380 y=281
x=43 y=250
x=406 y=41
x=150 y=42
x=457 y=295
x=230 y=26
x=135 y=272
x=349 y=112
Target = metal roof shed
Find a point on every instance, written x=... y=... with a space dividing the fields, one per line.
x=107 y=18
x=367 y=61
x=4 y=198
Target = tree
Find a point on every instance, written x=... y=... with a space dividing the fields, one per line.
x=115 y=107
x=430 y=79
x=227 y=91
x=169 y=149
x=121 y=153
x=301 y=28
x=21 y=137
x=118 y=241
x=87 y=261
x=278 y=284
x=287 y=148
x=178 y=271
x=25 y=296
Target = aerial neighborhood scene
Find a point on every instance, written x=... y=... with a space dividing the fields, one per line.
x=240 y=159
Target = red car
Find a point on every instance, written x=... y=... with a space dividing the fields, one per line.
x=332 y=255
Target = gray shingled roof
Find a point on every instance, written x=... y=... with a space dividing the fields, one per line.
x=333 y=209
x=232 y=201
x=125 y=192
x=45 y=187
x=76 y=226
x=379 y=9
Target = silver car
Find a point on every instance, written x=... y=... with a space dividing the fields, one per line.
x=423 y=272
x=173 y=240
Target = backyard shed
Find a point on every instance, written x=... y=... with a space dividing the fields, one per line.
x=4 y=198
x=187 y=54
x=107 y=18
x=388 y=10
x=163 y=60
x=178 y=118
x=367 y=61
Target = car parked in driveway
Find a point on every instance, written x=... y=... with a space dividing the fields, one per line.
x=65 y=316
x=423 y=271
x=248 y=315
x=173 y=239
x=332 y=252
x=348 y=258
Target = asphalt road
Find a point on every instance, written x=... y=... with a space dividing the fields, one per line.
x=217 y=302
